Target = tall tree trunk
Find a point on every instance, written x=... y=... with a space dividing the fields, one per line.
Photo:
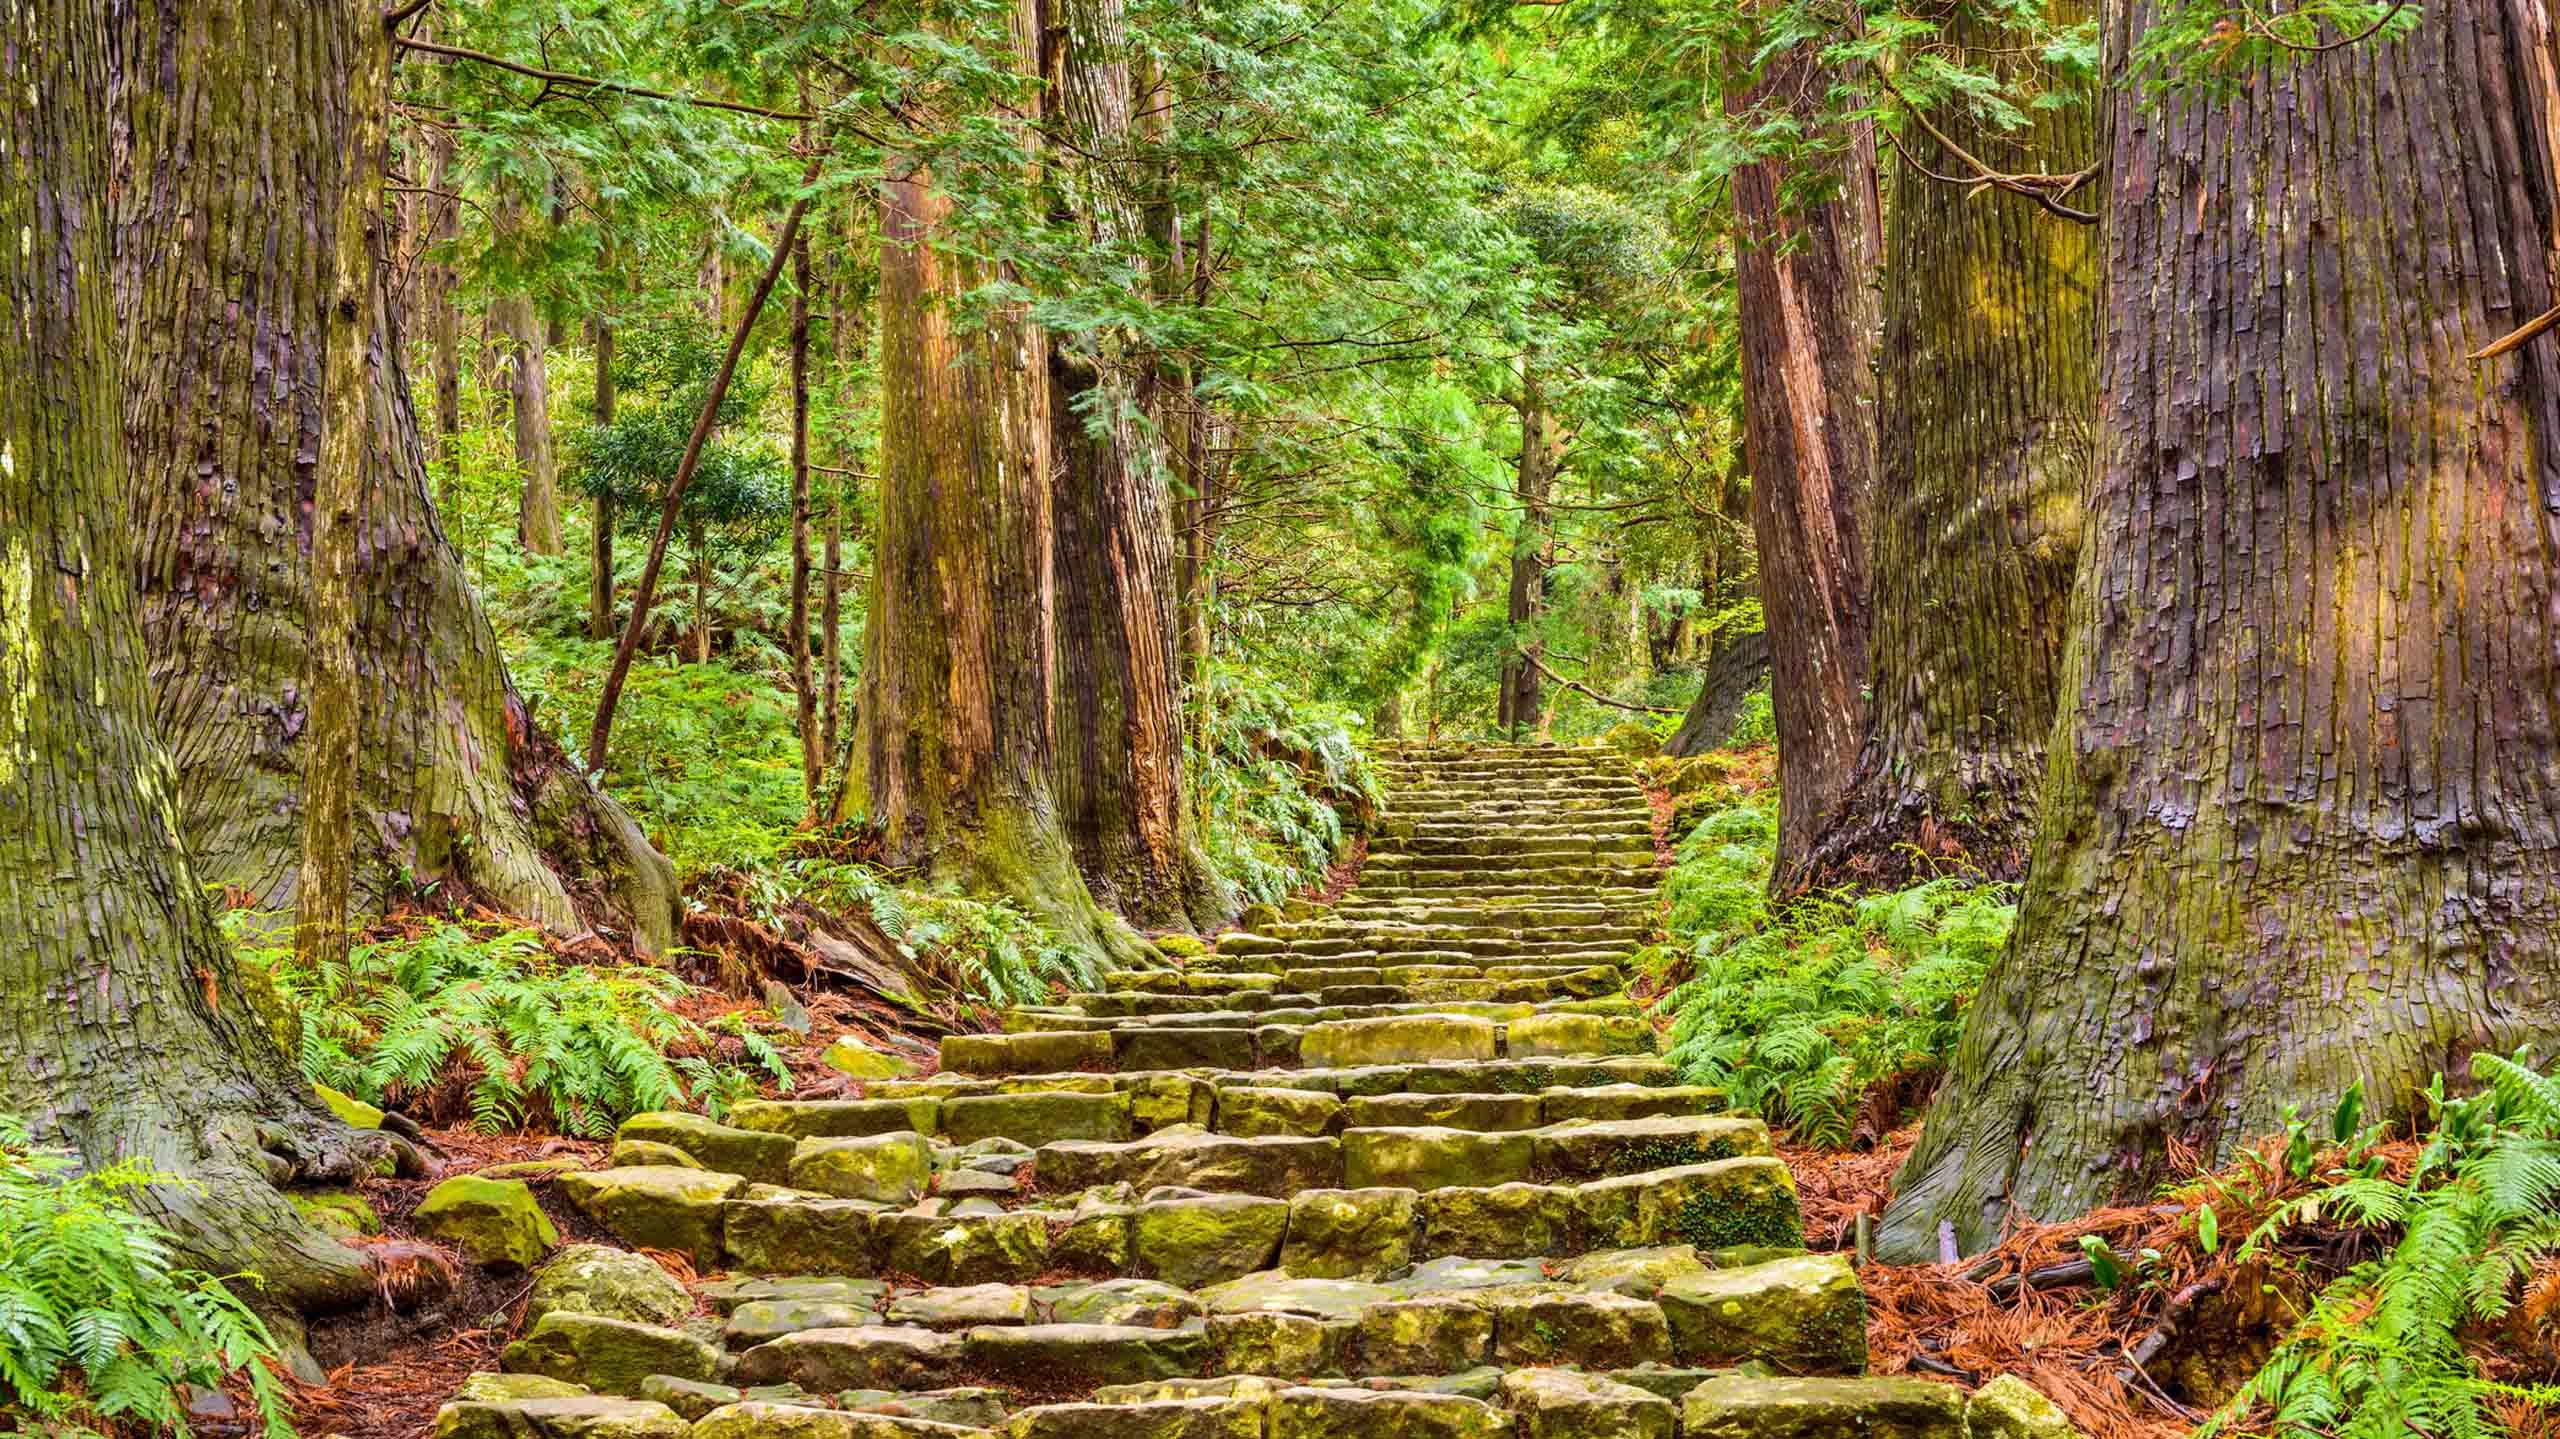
x=1739 y=665
x=1522 y=684
x=600 y=615
x=956 y=726
x=698 y=549
x=444 y=318
x=125 y=1030
x=1990 y=372
x=223 y=301
x=523 y=338
x=1120 y=784
x=2299 y=828
x=1808 y=344
x=804 y=687
x=325 y=889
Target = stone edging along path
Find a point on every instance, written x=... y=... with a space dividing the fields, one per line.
x=1401 y=1168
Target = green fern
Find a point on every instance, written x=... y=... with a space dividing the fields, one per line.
x=1797 y=1014
x=2382 y=1351
x=99 y=1327
x=529 y=1038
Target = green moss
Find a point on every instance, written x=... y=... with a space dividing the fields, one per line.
x=1708 y=1221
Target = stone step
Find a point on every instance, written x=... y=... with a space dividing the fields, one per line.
x=1478 y=882
x=1512 y=851
x=1460 y=1030
x=1420 y=1157
x=1408 y=828
x=824 y=1224
x=1373 y=937
x=1572 y=982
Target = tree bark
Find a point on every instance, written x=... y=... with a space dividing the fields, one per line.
x=2299 y=828
x=1120 y=776
x=1802 y=269
x=1738 y=666
x=1521 y=681
x=460 y=790
x=959 y=655
x=600 y=614
x=324 y=892
x=125 y=1028
x=1990 y=373
x=804 y=689
x=523 y=338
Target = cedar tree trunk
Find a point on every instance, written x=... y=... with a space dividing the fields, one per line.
x=959 y=651
x=1120 y=785
x=2302 y=821
x=1990 y=372
x=1521 y=683
x=125 y=1028
x=223 y=300
x=1802 y=272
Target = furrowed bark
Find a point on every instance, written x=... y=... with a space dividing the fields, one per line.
x=1120 y=784
x=2298 y=829
x=1990 y=373
x=803 y=684
x=1802 y=267
x=1737 y=667
x=600 y=543
x=225 y=226
x=1522 y=700
x=956 y=725
x=125 y=1029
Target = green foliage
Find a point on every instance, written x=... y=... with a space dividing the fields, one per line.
x=1276 y=784
x=2220 y=45
x=1758 y=722
x=980 y=951
x=2385 y=1348
x=1797 y=1013
x=486 y=1011
x=99 y=1325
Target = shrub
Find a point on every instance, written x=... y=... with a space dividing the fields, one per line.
x=1797 y=1014
x=1279 y=783
x=485 y=1013
x=2388 y=1347
x=99 y=1326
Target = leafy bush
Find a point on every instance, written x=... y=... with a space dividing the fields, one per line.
x=1279 y=782
x=481 y=1018
x=985 y=951
x=1758 y=722
x=98 y=1325
x=1796 y=1015
x=2385 y=1349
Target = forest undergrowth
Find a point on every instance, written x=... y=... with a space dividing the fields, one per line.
x=2340 y=1279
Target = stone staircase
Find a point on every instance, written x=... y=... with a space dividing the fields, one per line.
x=1401 y=1168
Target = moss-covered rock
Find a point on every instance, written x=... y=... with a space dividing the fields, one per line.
x=1595 y=1149
x=824 y=1361
x=1273 y=1165
x=1589 y=1331
x=761 y=1321
x=1489 y=1112
x=569 y=1418
x=1542 y=1036
x=1039 y=1118
x=613 y=1283
x=491 y=1388
x=848 y=1055
x=1193 y=1243
x=1180 y=946
x=493 y=1222
x=1200 y=1418
x=762 y=1157
x=1803 y=1315
x=1397 y=1039
x=799 y=1236
x=610 y=1356
x=1427 y=1158
x=637 y=1153
x=1053 y=1357
x=1560 y=1404
x=1751 y=1200
x=657 y=1207
x=881 y=1168
x=1435 y=1334
x=2010 y=1408
x=1505 y=1221
x=1286 y=1346
x=966 y=1248
x=840 y=1118
x=1248 y=1110
x=1738 y=1407
x=1037 y=1053
x=1117 y=1301
x=970 y=1406
x=1349 y=1233
x=342 y=1212
x=1382 y=1414
x=1160 y=1101
x=691 y=1398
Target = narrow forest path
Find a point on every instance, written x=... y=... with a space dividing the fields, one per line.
x=1403 y=1166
